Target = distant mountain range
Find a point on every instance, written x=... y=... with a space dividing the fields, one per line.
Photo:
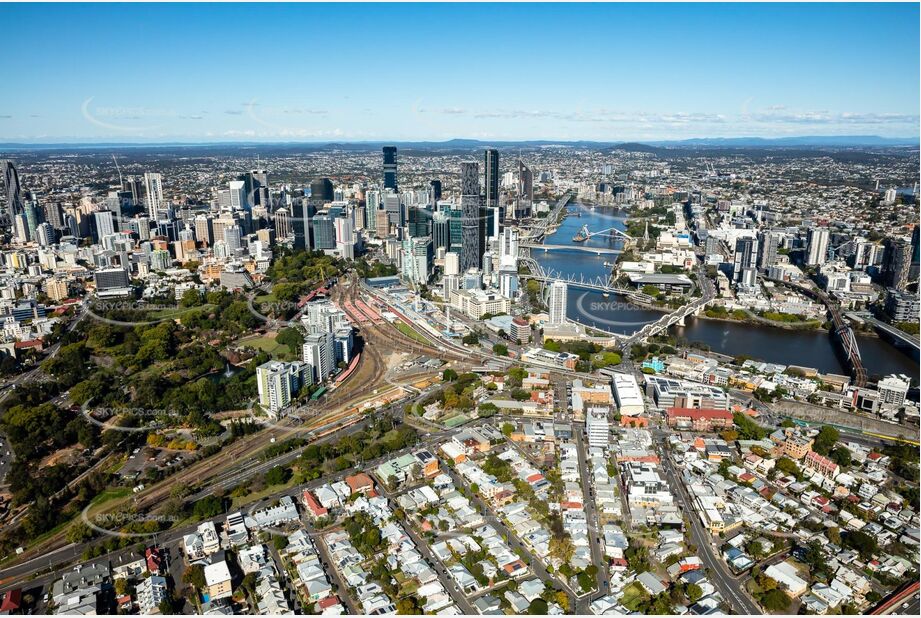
x=810 y=141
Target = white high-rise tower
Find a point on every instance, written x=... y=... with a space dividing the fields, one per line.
x=557 y=303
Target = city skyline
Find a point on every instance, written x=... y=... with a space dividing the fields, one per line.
x=618 y=73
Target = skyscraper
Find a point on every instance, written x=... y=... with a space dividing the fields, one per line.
x=13 y=190
x=321 y=190
x=817 y=244
x=525 y=191
x=491 y=179
x=471 y=250
x=897 y=263
x=257 y=188
x=324 y=232
x=104 y=223
x=390 y=167
x=153 y=188
x=435 y=191
x=557 y=302
x=744 y=260
x=300 y=224
x=767 y=249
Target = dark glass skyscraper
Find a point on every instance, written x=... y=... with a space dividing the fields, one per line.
x=390 y=167
x=13 y=191
x=300 y=224
x=471 y=222
x=257 y=187
x=321 y=190
x=435 y=191
x=491 y=172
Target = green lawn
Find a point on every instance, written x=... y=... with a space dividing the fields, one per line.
x=632 y=595
x=110 y=494
x=404 y=328
x=267 y=345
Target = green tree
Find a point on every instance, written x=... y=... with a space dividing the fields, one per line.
x=825 y=440
x=195 y=576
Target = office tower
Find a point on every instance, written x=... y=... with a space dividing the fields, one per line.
x=233 y=238
x=344 y=229
x=557 y=303
x=508 y=244
x=321 y=190
x=525 y=191
x=420 y=222
x=767 y=250
x=470 y=222
x=324 y=232
x=817 y=246
x=441 y=231
x=233 y=198
x=390 y=168
x=134 y=186
x=300 y=224
x=449 y=283
x=393 y=206
x=257 y=188
x=508 y=277
x=153 y=193
x=494 y=218
x=13 y=190
x=282 y=223
x=204 y=230
x=744 y=259
x=105 y=224
x=491 y=179
x=54 y=215
x=33 y=216
x=897 y=263
x=46 y=235
x=434 y=191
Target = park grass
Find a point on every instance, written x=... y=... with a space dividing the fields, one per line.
x=110 y=494
x=267 y=345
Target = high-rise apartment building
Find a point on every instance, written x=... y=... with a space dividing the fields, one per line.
x=817 y=246
x=153 y=194
x=557 y=302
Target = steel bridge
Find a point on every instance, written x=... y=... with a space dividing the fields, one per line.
x=843 y=332
x=545 y=247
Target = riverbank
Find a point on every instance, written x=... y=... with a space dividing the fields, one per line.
x=811 y=326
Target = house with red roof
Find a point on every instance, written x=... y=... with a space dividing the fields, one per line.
x=315 y=509
x=12 y=601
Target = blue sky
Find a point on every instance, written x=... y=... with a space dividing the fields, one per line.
x=319 y=72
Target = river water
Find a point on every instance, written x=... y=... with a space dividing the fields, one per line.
x=613 y=314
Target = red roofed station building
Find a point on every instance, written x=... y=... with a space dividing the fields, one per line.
x=702 y=419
